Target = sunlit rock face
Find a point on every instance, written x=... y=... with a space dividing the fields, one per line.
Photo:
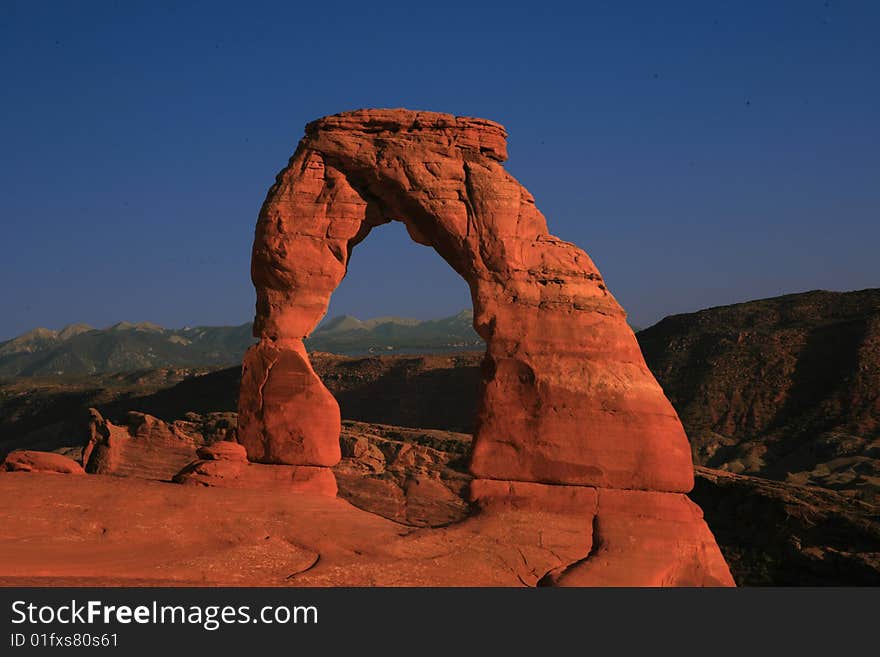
x=566 y=397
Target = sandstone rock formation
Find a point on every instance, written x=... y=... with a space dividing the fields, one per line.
x=28 y=460
x=566 y=400
x=262 y=537
x=770 y=533
x=524 y=534
x=415 y=477
x=149 y=448
x=566 y=395
x=615 y=537
x=224 y=464
x=222 y=450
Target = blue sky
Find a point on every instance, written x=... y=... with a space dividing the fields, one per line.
x=702 y=153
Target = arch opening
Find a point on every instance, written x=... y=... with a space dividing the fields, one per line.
x=415 y=361
x=389 y=274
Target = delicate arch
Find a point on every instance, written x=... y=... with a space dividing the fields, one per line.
x=566 y=397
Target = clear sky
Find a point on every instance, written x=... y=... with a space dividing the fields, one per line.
x=702 y=153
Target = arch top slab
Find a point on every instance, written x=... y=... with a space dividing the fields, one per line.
x=566 y=397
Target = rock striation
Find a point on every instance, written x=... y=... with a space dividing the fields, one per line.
x=147 y=447
x=566 y=399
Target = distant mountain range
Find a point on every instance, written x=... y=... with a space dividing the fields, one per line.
x=351 y=336
x=80 y=349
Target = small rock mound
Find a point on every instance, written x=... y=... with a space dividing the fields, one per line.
x=146 y=447
x=224 y=464
x=223 y=450
x=225 y=473
x=28 y=460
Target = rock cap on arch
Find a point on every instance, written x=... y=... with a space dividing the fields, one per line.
x=469 y=133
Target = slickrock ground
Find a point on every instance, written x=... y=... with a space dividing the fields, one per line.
x=105 y=530
x=769 y=532
x=404 y=516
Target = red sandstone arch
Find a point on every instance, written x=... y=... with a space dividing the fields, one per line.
x=566 y=395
